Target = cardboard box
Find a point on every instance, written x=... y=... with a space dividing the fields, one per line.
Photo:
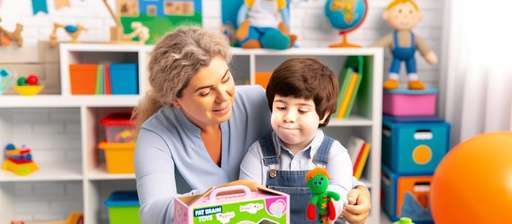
x=233 y=204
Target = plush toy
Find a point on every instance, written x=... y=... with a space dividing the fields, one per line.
x=320 y=207
x=263 y=24
x=403 y=16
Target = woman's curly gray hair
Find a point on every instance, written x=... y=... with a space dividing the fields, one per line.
x=175 y=59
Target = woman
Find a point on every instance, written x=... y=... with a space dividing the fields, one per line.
x=195 y=126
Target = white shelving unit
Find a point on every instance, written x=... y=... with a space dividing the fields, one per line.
x=96 y=183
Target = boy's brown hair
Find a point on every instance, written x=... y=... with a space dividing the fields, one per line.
x=305 y=78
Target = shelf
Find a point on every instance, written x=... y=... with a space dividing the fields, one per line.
x=46 y=172
x=102 y=47
x=353 y=120
x=99 y=173
x=68 y=101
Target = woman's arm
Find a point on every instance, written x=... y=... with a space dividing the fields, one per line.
x=154 y=171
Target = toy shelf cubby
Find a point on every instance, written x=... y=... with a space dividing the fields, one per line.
x=87 y=110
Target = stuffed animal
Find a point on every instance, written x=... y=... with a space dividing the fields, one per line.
x=403 y=16
x=320 y=207
x=263 y=24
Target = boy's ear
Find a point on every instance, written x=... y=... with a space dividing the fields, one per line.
x=327 y=113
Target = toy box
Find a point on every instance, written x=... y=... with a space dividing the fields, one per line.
x=123 y=207
x=123 y=79
x=119 y=128
x=414 y=145
x=234 y=204
x=404 y=102
x=83 y=78
x=406 y=196
x=119 y=157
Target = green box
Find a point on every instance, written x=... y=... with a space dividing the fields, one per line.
x=123 y=207
x=234 y=204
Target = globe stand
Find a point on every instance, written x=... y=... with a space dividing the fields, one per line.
x=344 y=42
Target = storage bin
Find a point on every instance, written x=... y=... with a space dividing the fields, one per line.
x=119 y=128
x=83 y=78
x=119 y=157
x=123 y=207
x=414 y=145
x=124 y=79
x=404 y=102
x=406 y=196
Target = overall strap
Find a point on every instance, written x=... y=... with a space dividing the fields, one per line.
x=395 y=39
x=267 y=148
x=413 y=40
x=322 y=154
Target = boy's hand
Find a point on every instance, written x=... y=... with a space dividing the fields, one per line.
x=358 y=206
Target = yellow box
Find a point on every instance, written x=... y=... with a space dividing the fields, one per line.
x=119 y=157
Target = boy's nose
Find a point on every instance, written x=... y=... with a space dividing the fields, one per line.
x=289 y=116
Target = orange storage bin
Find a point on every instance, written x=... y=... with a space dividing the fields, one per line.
x=119 y=157
x=83 y=78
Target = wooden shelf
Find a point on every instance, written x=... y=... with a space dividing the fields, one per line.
x=100 y=173
x=68 y=101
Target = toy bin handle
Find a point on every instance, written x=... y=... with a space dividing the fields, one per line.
x=230 y=189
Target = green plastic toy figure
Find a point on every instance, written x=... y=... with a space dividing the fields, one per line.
x=321 y=206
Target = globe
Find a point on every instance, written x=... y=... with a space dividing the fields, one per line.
x=346 y=16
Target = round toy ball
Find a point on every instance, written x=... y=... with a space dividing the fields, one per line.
x=4 y=72
x=32 y=80
x=473 y=182
x=10 y=146
x=22 y=81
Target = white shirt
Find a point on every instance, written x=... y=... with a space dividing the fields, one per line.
x=264 y=13
x=339 y=165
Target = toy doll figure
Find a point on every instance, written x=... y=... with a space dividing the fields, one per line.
x=320 y=207
x=263 y=24
x=402 y=16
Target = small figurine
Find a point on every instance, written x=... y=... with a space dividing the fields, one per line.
x=264 y=24
x=28 y=86
x=6 y=79
x=140 y=31
x=320 y=207
x=403 y=16
x=73 y=31
x=6 y=37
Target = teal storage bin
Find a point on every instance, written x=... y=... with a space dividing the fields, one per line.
x=124 y=79
x=414 y=145
x=406 y=196
x=123 y=207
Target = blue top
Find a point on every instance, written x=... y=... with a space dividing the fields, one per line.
x=170 y=157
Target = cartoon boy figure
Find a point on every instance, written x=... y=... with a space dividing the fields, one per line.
x=402 y=16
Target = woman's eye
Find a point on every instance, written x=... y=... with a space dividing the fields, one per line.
x=303 y=111
x=204 y=93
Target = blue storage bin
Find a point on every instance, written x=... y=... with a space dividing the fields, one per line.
x=124 y=79
x=406 y=196
x=414 y=145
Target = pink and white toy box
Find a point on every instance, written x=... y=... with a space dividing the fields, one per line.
x=404 y=102
x=233 y=204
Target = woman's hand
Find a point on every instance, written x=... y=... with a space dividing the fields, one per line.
x=357 y=209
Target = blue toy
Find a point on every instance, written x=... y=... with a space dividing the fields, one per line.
x=346 y=16
x=6 y=79
x=264 y=24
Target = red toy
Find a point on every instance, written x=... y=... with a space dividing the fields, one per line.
x=32 y=80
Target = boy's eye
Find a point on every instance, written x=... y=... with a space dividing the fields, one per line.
x=280 y=108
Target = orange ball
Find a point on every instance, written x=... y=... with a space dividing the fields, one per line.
x=473 y=182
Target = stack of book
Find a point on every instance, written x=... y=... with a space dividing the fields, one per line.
x=350 y=80
x=359 y=150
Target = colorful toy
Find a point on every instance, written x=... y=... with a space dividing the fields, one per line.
x=346 y=16
x=264 y=24
x=320 y=207
x=19 y=161
x=6 y=79
x=6 y=37
x=73 y=31
x=403 y=16
x=473 y=183
x=28 y=86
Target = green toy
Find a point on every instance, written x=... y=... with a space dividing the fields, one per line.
x=321 y=206
x=404 y=220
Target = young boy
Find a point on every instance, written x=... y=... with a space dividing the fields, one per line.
x=301 y=95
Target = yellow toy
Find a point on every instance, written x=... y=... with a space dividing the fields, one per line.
x=402 y=16
x=19 y=161
x=6 y=37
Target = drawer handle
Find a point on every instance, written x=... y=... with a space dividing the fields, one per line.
x=423 y=135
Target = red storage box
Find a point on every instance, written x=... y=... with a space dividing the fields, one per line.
x=83 y=78
x=119 y=128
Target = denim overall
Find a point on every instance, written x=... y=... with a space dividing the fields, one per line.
x=292 y=182
x=403 y=54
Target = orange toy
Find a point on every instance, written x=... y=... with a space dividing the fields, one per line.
x=473 y=183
